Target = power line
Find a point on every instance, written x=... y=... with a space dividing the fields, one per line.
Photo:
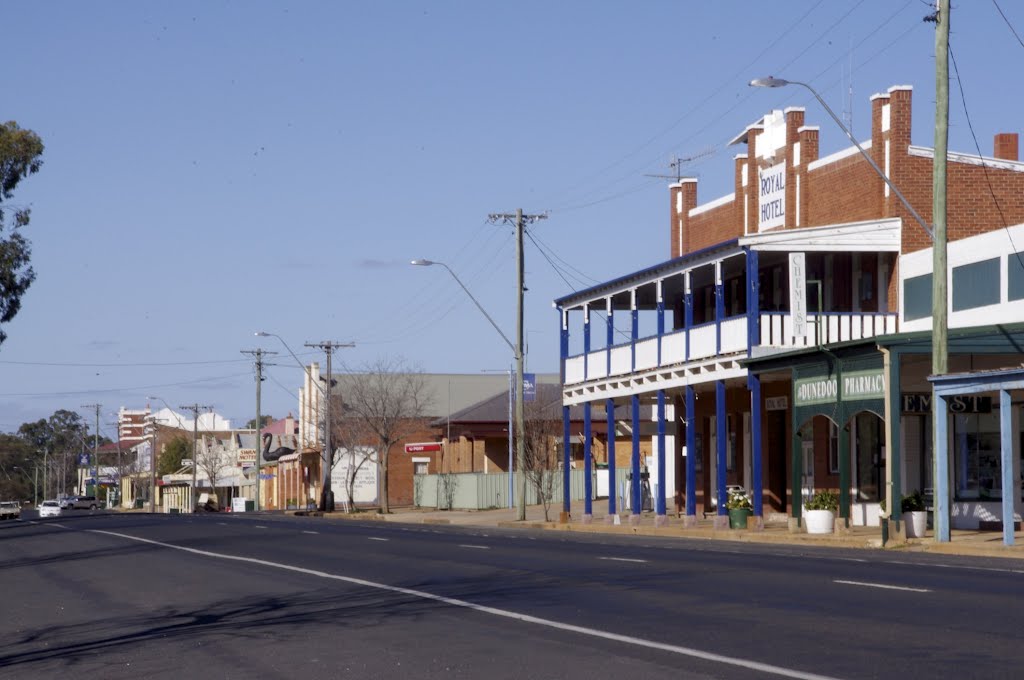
x=558 y=270
x=1003 y=15
x=118 y=365
x=984 y=166
x=139 y=388
x=692 y=110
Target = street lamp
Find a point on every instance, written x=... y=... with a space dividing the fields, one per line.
x=938 y=237
x=517 y=352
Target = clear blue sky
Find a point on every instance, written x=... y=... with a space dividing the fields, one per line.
x=216 y=168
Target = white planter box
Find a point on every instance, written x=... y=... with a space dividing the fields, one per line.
x=819 y=521
x=916 y=523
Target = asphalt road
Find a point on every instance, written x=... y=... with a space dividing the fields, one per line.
x=254 y=596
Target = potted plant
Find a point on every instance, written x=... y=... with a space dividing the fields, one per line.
x=820 y=516
x=914 y=515
x=740 y=508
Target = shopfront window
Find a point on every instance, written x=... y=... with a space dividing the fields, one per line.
x=870 y=457
x=976 y=456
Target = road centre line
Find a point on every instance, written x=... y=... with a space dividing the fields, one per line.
x=503 y=613
x=377 y=538
x=476 y=547
x=970 y=568
x=883 y=586
x=311 y=532
x=259 y=526
x=622 y=559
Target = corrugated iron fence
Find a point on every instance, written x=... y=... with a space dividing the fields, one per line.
x=483 y=491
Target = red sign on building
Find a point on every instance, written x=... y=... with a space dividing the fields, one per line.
x=423 y=448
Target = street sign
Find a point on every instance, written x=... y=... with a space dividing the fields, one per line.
x=83 y=459
x=421 y=448
x=798 y=294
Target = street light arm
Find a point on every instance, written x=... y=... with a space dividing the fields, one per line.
x=778 y=82
x=264 y=334
x=483 y=311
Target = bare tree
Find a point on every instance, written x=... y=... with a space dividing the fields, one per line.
x=213 y=460
x=447 y=481
x=349 y=436
x=541 y=431
x=385 y=401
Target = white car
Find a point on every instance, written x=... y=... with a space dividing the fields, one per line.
x=49 y=509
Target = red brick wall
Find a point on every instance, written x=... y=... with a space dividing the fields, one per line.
x=712 y=227
x=849 y=190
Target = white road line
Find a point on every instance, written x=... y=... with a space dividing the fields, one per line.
x=223 y=524
x=259 y=526
x=503 y=613
x=376 y=538
x=311 y=532
x=969 y=568
x=882 y=585
x=622 y=559
x=477 y=547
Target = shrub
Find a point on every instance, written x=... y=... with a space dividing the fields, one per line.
x=738 y=500
x=912 y=503
x=823 y=500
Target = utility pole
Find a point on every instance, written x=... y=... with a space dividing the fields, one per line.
x=120 y=464
x=152 y=465
x=940 y=349
x=258 y=353
x=195 y=408
x=327 y=458
x=96 y=450
x=519 y=220
x=46 y=471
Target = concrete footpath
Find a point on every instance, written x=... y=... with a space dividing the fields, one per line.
x=976 y=543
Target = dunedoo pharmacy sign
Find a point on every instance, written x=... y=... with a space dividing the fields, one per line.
x=856 y=385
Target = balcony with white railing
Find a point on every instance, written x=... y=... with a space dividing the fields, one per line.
x=728 y=337
x=777 y=328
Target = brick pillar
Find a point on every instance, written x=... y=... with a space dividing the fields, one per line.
x=752 y=179
x=740 y=196
x=794 y=121
x=1004 y=146
x=808 y=154
x=881 y=126
x=913 y=176
x=684 y=198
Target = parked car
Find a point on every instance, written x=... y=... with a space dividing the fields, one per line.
x=49 y=509
x=80 y=503
x=10 y=509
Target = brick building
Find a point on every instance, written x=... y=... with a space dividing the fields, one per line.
x=782 y=316
x=442 y=395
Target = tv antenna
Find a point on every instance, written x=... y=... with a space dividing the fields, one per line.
x=677 y=164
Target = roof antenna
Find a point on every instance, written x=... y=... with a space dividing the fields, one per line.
x=677 y=164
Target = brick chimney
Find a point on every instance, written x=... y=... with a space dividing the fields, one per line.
x=1005 y=146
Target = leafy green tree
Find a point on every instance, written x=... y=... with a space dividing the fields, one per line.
x=20 y=152
x=264 y=421
x=56 y=442
x=17 y=467
x=174 y=451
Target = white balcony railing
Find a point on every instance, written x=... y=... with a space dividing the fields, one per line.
x=776 y=330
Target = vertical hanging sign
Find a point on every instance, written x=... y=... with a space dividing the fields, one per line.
x=798 y=294
x=529 y=387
